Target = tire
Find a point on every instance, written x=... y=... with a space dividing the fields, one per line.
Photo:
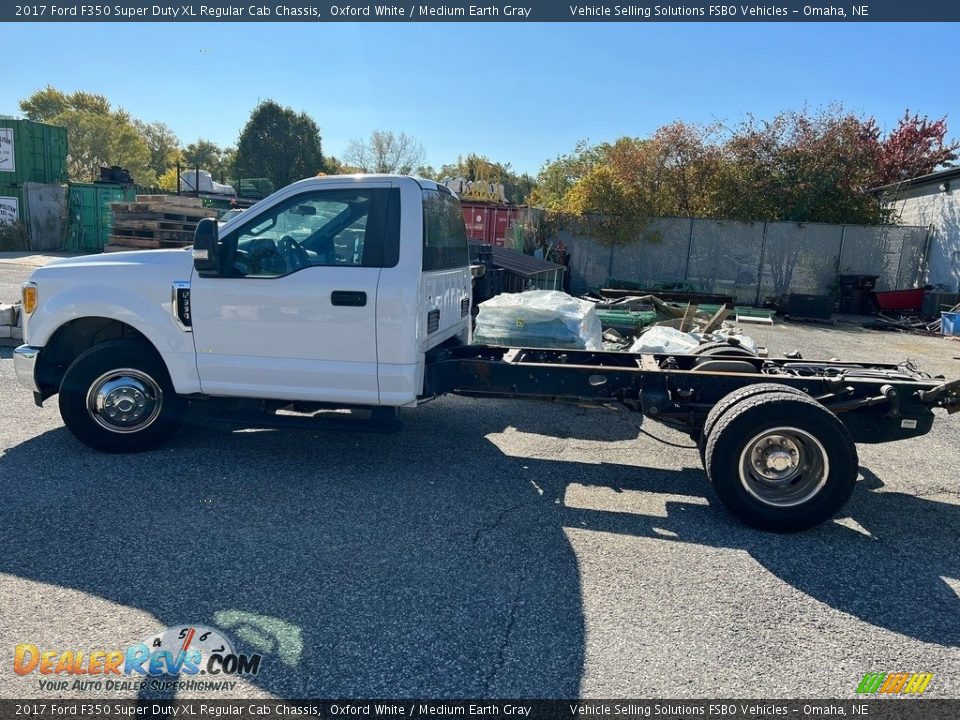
x=708 y=346
x=719 y=347
x=718 y=410
x=117 y=397
x=781 y=462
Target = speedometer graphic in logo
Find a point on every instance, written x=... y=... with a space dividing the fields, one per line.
x=189 y=650
x=193 y=637
x=195 y=643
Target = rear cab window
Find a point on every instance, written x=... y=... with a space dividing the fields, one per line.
x=444 y=234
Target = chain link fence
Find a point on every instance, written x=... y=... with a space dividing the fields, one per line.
x=752 y=261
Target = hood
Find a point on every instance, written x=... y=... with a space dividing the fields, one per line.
x=176 y=258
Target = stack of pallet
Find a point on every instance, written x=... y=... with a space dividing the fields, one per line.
x=155 y=221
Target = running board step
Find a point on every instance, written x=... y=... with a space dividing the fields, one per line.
x=319 y=422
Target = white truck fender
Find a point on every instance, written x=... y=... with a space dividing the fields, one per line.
x=149 y=315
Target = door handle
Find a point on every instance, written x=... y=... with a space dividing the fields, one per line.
x=348 y=298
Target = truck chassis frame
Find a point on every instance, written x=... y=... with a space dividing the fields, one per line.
x=777 y=437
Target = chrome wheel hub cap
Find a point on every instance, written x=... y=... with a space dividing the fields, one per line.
x=124 y=400
x=775 y=458
x=784 y=467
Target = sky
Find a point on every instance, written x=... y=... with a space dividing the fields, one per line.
x=520 y=94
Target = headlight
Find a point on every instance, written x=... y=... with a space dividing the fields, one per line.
x=29 y=297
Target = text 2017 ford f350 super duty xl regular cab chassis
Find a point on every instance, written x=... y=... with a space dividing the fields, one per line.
x=355 y=292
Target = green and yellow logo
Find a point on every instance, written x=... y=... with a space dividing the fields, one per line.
x=903 y=683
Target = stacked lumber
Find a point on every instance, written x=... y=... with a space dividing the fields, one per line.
x=156 y=221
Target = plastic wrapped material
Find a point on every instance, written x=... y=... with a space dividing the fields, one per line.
x=206 y=183
x=539 y=318
x=664 y=339
x=733 y=334
x=670 y=341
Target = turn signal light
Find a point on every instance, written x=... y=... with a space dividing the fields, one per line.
x=29 y=298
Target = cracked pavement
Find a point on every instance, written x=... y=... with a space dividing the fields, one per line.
x=501 y=549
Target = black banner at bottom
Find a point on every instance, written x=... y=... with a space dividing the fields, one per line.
x=886 y=709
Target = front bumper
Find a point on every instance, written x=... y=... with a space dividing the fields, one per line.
x=25 y=366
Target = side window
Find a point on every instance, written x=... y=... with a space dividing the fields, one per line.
x=326 y=228
x=444 y=234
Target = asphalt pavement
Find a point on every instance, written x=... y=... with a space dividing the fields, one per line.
x=490 y=548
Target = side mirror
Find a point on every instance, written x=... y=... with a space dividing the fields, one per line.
x=206 y=242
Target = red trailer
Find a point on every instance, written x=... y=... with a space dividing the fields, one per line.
x=488 y=222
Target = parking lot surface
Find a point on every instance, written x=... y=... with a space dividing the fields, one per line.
x=490 y=548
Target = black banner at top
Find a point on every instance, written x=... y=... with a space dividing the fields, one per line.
x=451 y=11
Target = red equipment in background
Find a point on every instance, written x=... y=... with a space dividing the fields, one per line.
x=488 y=223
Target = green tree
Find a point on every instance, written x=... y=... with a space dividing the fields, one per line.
x=799 y=166
x=97 y=135
x=332 y=166
x=558 y=176
x=279 y=144
x=163 y=143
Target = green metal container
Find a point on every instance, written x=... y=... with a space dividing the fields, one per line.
x=32 y=152
x=12 y=206
x=13 y=203
x=91 y=219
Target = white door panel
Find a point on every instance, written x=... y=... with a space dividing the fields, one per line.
x=285 y=338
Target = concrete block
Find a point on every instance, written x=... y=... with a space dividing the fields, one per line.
x=5 y=331
x=16 y=333
x=8 y=316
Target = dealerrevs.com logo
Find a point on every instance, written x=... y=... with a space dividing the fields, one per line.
x=184 y=651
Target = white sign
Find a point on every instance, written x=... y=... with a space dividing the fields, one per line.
x=7 y=161
x=9 y=209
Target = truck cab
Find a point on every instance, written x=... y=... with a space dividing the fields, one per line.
x=332 y=290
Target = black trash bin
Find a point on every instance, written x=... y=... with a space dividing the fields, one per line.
x=855 y=294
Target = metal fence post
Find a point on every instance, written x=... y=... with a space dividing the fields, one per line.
x=903 y=247
x=610 y=263
x=686 y=268
x=763 y=252
x=836 y=275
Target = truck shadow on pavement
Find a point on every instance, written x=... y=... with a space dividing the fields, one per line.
x=428 y=563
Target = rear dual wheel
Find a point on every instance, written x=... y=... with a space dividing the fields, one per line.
x=718 y=347
x=779 y=460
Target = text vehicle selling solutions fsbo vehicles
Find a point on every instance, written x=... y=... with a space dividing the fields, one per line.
x=355 y=292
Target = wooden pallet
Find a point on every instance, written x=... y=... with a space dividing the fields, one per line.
x=125 y=216
x=126 y=223
x=170 y=200
x=160 y=211
x=148 y=243
x=181 y=235
x=156 y=221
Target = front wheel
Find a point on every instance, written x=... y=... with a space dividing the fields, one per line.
x=781 y=461
x=117 y=397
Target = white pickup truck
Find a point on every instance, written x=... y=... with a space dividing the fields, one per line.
x=331 y=290
x=355 y=292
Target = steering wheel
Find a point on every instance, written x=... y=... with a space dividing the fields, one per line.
x=294 y=254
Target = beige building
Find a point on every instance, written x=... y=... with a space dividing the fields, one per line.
x=934 y=201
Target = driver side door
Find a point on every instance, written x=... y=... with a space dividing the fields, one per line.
x=294 y=316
